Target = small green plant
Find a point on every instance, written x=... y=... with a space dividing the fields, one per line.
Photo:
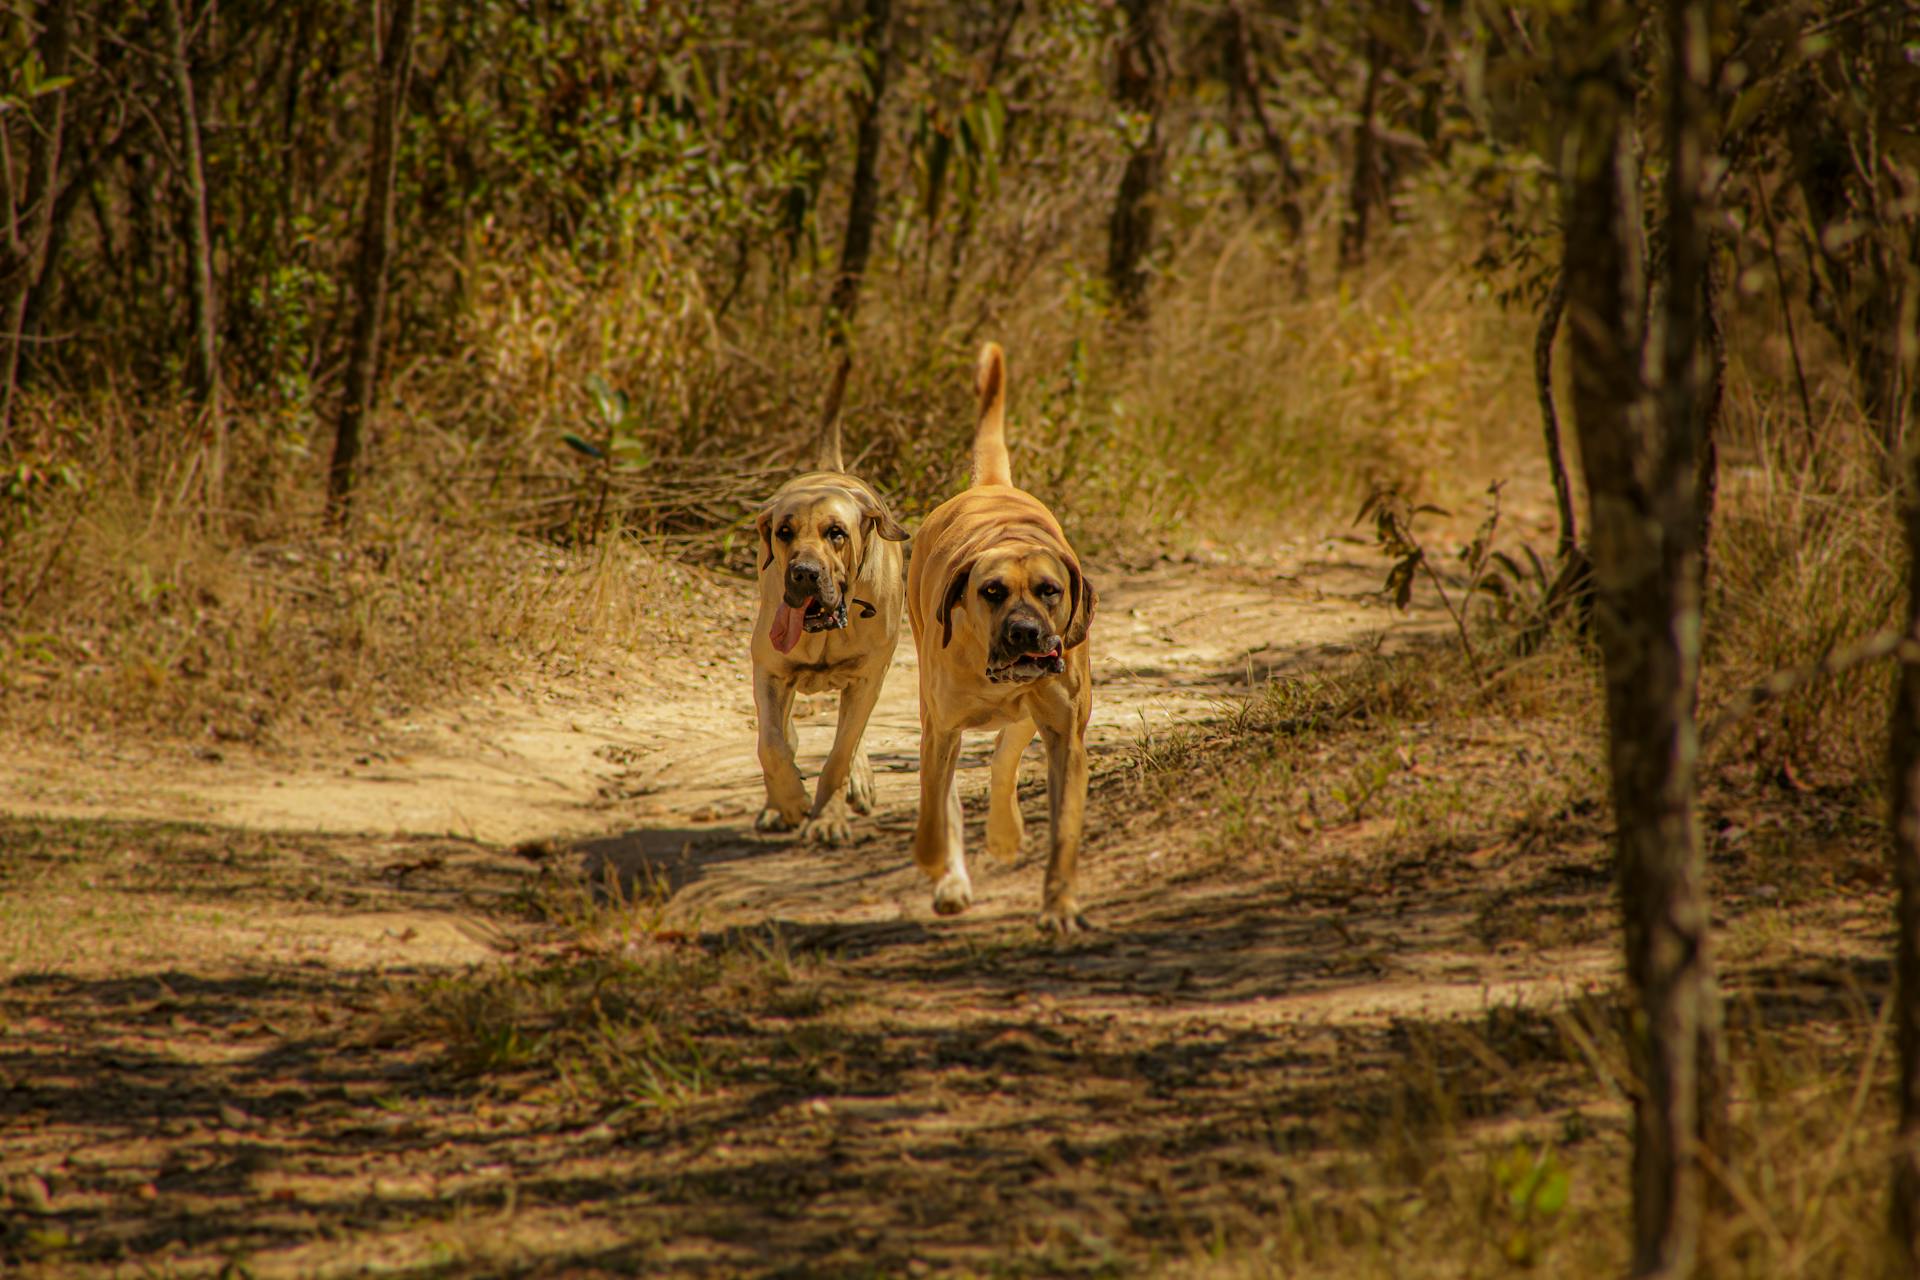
x=1394 y=519
x=1532 y=1188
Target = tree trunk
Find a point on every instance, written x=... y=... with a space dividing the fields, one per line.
x=1904 y=743
x=1550 y=314
x=1246 y=69
x=1139 y=89
x=864 y=201
x=23 y=250
x=204 y=375
x=1366 y=178
x=1639 y=447
x=370 y=271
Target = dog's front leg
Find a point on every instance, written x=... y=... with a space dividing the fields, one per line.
x=831 y=821
x=1067 y=813
x=1004 y=826
x=786 y=794
x=937 y=843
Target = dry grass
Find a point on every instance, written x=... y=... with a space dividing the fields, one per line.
x=132 y=604
x=155 y=577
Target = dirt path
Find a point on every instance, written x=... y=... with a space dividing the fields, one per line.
x=666 y=757
x=238 y=1038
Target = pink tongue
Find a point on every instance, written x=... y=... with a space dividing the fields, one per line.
x=788 y=623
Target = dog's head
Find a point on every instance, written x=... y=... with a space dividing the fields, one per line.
x=1031 y=604
x=815 y=539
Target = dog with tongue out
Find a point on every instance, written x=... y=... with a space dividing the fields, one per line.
x=832 y=594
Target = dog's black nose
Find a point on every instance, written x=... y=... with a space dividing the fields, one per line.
x=802 y=574
x=1024 y=635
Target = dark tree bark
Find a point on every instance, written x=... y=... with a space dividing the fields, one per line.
x=1550 y=315
x=1640 y=449
x=370 y=270
x=1366 y=168
x=204 y=368
x=1140 y=87
x=29 y=214
x=1904 y=742
x=864 y=202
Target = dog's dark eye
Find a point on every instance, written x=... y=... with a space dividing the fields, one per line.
x=785 y=534
x=836 y=535
x=1048 y=590
x=993 y=593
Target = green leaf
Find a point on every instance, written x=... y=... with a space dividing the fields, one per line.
x=1552 y=1195
x=582 y=445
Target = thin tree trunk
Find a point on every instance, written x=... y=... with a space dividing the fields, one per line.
x=1139 y=89
x=1543 y=337
x=864 y=201
x=1249 y=71
x=204 y=376
x=23 y=251
x=1639 y=450
x=1693 y=372
x=1295 y=219
x=370 y=271
x=1353 y=229
x=1707 y=472
x=1904 y=743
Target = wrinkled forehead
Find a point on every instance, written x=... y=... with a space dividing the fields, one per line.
x=1020 y=566
x=815 y=510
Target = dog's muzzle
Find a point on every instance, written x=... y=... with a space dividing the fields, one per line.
x=820 y=618
x=1019 y=668
x=811 y=587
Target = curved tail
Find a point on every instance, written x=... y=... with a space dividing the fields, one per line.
x=826 y=449
x=990 y=462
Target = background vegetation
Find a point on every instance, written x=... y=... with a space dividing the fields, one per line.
x=1256 y=263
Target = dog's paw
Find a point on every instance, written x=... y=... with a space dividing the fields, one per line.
x=860 y=786
x=829 y=829
x=1063 y=920
x=772 y=819
x=953 y=894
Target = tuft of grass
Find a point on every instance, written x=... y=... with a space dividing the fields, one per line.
x=616 y=1010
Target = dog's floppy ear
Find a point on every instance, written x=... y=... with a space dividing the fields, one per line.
x=765 y=525
x=1081 y=615
x=956 y=588
x=875 y=511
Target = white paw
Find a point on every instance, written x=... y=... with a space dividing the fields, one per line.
x=773 y=819
x=829 y=829
x=953 y=894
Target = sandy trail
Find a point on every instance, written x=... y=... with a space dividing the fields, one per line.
x=669 y=762
x=193 y=1019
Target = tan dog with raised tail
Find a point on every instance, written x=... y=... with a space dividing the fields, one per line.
x=1000 y=613
x=829 y=619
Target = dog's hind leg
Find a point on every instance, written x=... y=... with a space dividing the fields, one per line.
x=1067 y=812
x=1004 y=827
x=829 y=823
x=786 y=794
x=937 y=837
